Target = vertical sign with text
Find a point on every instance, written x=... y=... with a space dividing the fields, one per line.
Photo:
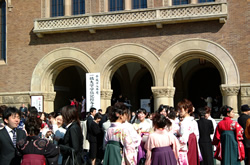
x=93 y=94
x=37 y=101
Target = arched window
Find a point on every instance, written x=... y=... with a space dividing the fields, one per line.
x=78 y=7
x=138 y=4
x=3 y=29
x=57 y=8
x=116 y=5
x=202 y=1
x=180 y=2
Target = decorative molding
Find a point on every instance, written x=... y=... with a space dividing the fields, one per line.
x=245 y=90
x=163 y=92
x=106 y=94
x=131 y=18
x=229 y=90
x=49 y=96
x=9 y=5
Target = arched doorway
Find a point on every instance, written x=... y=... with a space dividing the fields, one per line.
x=69 y=84
x=133 y=81
x=197 y=80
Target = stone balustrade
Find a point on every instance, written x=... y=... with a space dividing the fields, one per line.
x=142 y=17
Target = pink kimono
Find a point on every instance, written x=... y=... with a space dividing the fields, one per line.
x=161 y=138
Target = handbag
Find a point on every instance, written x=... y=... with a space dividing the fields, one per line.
x=72 y=158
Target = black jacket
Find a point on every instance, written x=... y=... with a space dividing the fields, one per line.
x=73 y=139
x=242 y=120
x=8 y=153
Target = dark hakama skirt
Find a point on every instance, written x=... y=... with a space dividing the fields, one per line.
x=33 y=159
x=229 y=148
x=163 y=156
x=112 y=154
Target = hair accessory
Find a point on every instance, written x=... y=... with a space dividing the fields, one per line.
x=38 y=116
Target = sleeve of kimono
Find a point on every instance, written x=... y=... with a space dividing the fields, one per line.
x=129 y=147
x=184 y=134
x=216 y=136
x=196 y=130
x=148 y=147
x=52 y=153
x=176 y=146
x=239 y=131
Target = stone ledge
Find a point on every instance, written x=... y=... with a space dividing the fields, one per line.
x=132 y=18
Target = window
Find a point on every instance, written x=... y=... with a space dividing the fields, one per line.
x=3 y=30
x=180 y=2
x=202 y=1
x=116 y=5
x=78 y=7
x=57 y=8
x=138 y=4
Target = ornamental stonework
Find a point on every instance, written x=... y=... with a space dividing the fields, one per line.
x=49 y=96
x=230 y=90
x=106 y=94
x=245 y=91
x=163 y=92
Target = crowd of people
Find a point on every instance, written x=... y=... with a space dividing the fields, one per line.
x=169 y=136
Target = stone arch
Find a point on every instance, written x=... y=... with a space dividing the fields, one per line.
x=116 y=56
x=120 y=54
x=188 y=49
x=194 y=48
x=48 y=68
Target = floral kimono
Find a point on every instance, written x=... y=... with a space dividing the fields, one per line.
x=187 y=127
x=118 y=133
x=227 y=125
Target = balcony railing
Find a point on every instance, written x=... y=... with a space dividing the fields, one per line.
x=143 y=17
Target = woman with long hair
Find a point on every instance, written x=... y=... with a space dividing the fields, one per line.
x=162 y=147
x=228 y=139
x=73 y=138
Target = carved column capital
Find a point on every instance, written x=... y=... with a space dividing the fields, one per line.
x=163 y=91
x=229 y=90
x=49 y=96
x=106 y=94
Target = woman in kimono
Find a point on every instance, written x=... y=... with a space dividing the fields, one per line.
x=143 y=126
x=188 y=134
x=34 y=149
x=162 y=147
x=120 y=148
x=228 y=139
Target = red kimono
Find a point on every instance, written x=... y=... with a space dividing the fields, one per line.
x=227 y=124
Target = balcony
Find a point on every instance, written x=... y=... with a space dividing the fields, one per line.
x=131 y=18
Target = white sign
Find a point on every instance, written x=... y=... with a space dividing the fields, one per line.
x=145 y=103
x=37 y=101
x=93 y=95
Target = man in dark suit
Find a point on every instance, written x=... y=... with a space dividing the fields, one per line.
x=9 y=135
x=245 y=111
x=90 y=119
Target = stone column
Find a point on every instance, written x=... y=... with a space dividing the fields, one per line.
x=106 y=95
x=230 y=96
x=47 y=8
x=49 y=98
x=68 y=8
x=163 y=95
x=127 y=5
x=194 y=1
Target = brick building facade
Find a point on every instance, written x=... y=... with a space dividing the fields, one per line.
x=170 y=42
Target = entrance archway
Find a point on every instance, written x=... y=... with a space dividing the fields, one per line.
x=69 y=84
x=195 y=48
x=133 y=81
x=197 y=80
x=50 y=66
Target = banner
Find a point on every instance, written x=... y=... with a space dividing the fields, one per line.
x=93 y=95
x=37 y=101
